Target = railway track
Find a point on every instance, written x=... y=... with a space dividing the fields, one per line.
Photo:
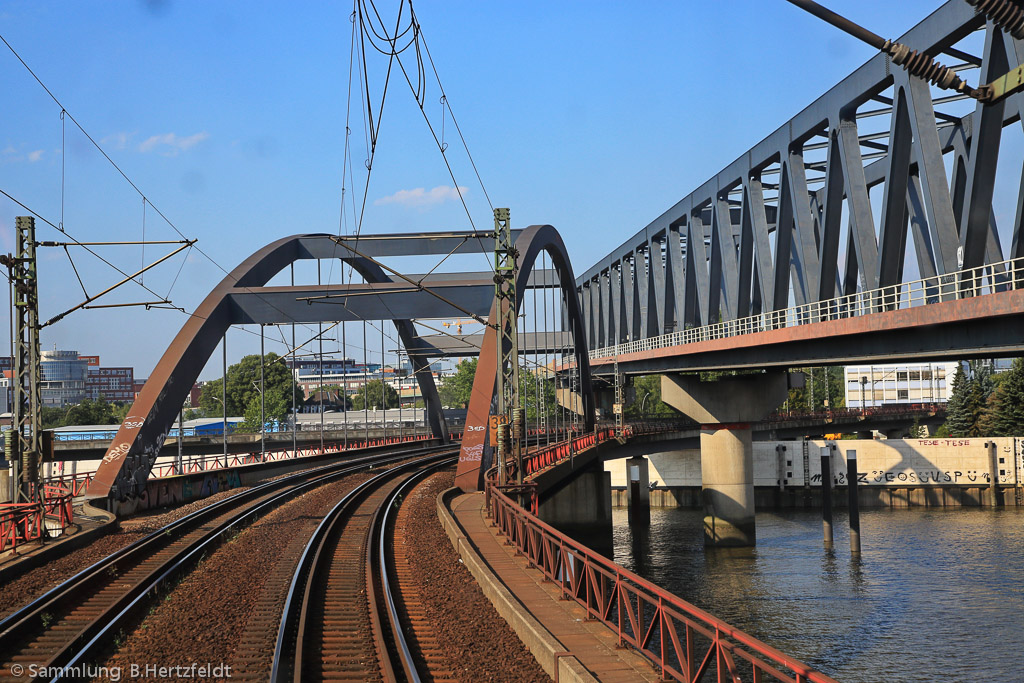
x=66 y=627
x=346 y=617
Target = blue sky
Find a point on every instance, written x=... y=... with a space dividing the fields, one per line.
x=230 y=117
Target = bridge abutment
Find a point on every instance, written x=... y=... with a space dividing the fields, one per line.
x=725 y=408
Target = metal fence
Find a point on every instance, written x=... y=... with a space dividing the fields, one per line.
x=964 y=284
x=24 y=522
x=683 y=641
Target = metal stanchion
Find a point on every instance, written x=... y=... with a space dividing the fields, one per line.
x=826 y=494
x=851 y=487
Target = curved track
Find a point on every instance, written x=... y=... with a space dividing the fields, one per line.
x=341 y=620
x=70 y=623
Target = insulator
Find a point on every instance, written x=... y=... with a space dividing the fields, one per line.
x=924 y=67
x=519 y=423
x=503 y=441
x=1004 y=14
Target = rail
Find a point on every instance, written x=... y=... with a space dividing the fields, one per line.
x=972 y=282
x=682 y=640
x=296 y=645
x=82 y=615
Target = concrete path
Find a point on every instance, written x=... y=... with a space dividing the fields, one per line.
x=590 y=643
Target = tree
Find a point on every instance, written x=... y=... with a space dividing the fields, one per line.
x=1008 y=413
x=195 y=413
x=51 y=417
x=120 y=411
x=88 y=412
x=244 y=383
x=647 y=399
x=538 y=394
x=276 y=409
x=374 y=394
x=989 y=413
x=331 y=395
x=966 y=404
x=456 y=389
x=820 y=384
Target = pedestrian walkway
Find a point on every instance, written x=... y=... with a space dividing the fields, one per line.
x=591 y=643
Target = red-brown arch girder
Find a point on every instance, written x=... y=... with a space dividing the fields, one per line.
x=475 y=456
x=130 y=457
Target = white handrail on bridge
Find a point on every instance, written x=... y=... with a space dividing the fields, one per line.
x=963 y=284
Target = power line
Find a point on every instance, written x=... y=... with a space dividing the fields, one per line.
x=145 y=199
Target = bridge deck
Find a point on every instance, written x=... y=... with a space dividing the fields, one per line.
x=592 y=643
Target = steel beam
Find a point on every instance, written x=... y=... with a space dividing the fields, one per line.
x=352 y=303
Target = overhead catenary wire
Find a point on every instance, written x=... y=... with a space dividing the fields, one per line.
x=60 y=225
x=417 y=89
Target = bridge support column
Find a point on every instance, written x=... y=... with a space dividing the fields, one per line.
x=638 y=491
x=725 y=408
x=582 y=508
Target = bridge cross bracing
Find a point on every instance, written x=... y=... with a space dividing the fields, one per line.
x=812 y=223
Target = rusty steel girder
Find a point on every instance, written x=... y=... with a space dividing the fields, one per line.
x=476 y=454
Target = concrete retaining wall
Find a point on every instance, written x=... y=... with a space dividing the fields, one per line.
x=893 y=472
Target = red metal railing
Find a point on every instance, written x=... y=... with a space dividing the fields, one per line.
x=23 y=522
x=58 y=505
x=682 y=640
x=19 y=523
x=79 y=481
x=555 y=453
x=884 y=410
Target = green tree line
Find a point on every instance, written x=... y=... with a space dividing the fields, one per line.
x=983 y=403
x=243 y=392
x=88 y=412
x=536 y=390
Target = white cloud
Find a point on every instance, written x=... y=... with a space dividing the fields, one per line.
x=170 y=144
x=35 y=156
x=420 y=197
x=117 y=140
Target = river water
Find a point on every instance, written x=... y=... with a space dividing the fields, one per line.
x=936 y=596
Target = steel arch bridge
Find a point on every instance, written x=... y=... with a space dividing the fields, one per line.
x=243 y=297
x=476 y=454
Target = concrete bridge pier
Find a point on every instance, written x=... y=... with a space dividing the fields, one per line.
x=725 y=408
x=582 y=508
x=638 y=492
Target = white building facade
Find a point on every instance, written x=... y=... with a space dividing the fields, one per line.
x=869 y=386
